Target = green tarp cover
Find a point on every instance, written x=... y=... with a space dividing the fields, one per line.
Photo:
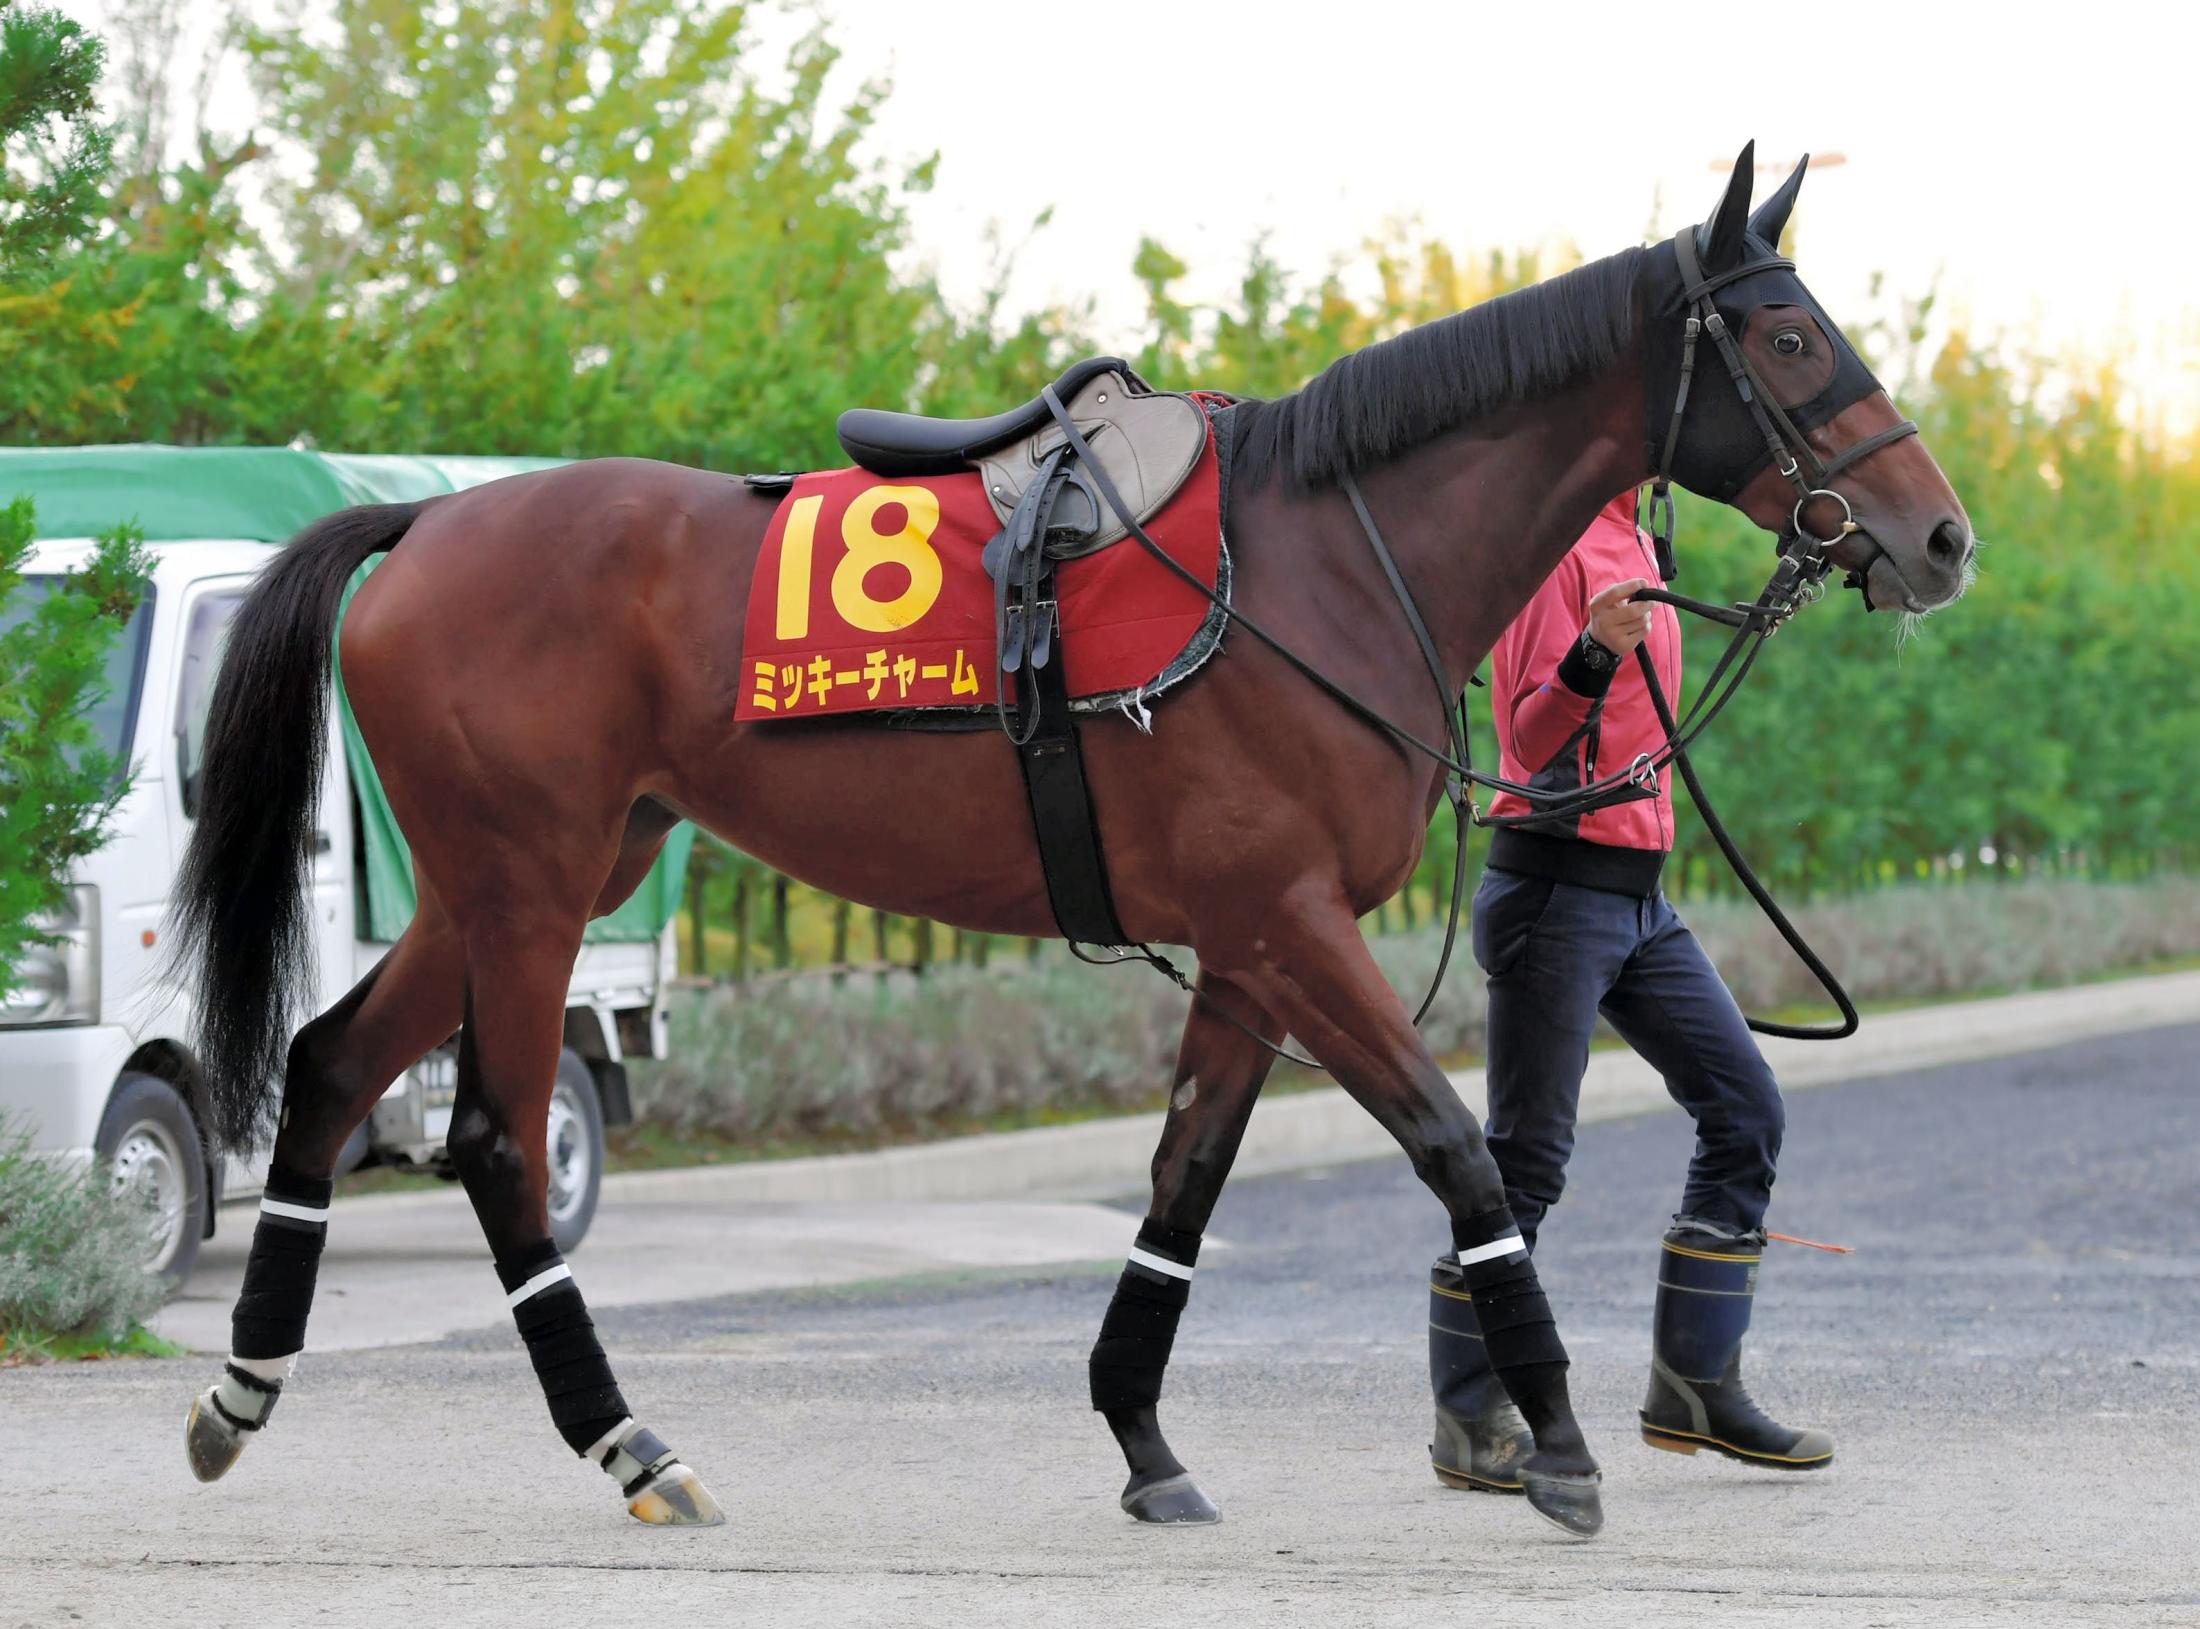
x=268 y=494
x=260 y=494
x=389 y=876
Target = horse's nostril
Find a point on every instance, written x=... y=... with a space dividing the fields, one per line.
x=1949 y=545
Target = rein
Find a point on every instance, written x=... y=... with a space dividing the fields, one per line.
x=1797 y=580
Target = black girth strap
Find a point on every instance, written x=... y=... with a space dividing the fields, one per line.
x=1053 y=762
x=1027 y=625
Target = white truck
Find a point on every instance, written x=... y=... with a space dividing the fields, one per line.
x=95 y=1052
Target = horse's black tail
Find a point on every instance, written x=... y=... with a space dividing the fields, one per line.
x=242 y=930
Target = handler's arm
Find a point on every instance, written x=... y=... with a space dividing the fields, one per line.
x=1554 y=687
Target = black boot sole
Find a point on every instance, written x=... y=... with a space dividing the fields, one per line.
x=1472 y=1484
x=1688 y=1442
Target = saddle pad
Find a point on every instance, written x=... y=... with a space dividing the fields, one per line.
x=869 y=595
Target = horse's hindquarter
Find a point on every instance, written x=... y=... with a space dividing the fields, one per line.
x=541 y=652
x=515 y=662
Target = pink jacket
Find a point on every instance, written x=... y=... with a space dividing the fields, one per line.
x=1553 y=735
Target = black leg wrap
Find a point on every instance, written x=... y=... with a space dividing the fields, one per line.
x=1517 y=1326
x=1509 y=1305
x=561 y=1342
x=1140 y=1327
x=279 y=1274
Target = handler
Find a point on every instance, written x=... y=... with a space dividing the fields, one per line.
x=1570 y=921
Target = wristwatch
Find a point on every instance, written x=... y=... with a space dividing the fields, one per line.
x=1594 y=656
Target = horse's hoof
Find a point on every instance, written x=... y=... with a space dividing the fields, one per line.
x=676 y=1497
x=210 y=1442
x=1174 y=1501
x=1568 y=1501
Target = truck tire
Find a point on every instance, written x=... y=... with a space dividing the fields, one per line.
x=149 y=1140
x=576 y=1151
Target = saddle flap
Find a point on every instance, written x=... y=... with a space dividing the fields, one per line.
x=1147 y=441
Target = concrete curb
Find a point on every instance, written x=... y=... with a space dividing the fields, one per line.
x=1326 y=1127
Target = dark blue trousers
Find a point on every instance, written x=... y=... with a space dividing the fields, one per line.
x=1557 y=954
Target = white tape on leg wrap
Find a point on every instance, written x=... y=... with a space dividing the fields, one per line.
x=317 y=1214
x=1160 y=1264
x=1510 y=1245
x=540 y=1282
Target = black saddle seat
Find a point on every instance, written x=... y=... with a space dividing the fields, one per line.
x=911 y=444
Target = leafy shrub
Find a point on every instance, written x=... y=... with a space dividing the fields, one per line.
x=863 y=1059
x=1898 y=944
x=877 y=1058
x=71 y=1250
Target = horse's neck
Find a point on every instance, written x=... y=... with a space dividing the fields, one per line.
x=1480 y=517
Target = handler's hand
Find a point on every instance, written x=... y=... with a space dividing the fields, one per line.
x=1616 y=624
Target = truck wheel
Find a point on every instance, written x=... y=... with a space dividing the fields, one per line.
x=147 y=1138
x=576 y=1151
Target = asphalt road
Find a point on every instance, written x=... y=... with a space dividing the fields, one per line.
x=2011 y=1363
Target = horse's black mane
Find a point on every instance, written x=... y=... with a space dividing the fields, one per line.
x=1369 y=407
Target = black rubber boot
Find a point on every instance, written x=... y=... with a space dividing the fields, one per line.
x=1480 y=1437
x=1707 y=1281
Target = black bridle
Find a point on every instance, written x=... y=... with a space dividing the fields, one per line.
x=1787 y=448
x=1796 y=581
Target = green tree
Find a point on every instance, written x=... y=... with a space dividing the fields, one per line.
x=148 y=327
x=57 y=786
x=53 y=153
x=594 y=228
x=2048 y=720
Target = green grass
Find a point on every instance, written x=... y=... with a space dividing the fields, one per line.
x=20 y=1350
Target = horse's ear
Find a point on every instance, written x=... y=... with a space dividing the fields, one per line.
x=1772 y=215
x=1719 y=240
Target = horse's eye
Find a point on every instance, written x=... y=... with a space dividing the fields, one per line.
x=1788 y=342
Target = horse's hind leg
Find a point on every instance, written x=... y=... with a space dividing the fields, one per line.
x=1219 y=1070
x=339 y=1065
x=1313 y=971
x=519 y=960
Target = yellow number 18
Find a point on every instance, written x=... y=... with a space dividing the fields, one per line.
x=910 y=548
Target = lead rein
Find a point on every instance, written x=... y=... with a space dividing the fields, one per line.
x=1794 y=583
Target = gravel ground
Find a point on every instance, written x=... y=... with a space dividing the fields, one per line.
x=2011 y=1363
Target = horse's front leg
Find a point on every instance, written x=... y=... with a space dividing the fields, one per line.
x=1219 y=1070
x=1313 y=971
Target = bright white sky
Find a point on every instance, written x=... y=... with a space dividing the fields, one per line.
x=2038 y=161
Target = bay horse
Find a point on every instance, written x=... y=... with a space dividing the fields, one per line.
x=546 y=671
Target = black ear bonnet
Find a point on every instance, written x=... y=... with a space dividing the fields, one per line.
x=1721 y=448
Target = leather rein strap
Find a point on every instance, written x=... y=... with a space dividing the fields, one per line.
x=1797 y=580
